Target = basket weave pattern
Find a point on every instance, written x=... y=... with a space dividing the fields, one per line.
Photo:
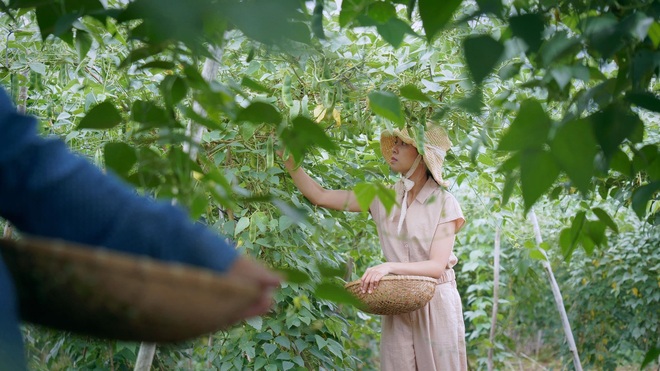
x=108 y=294
x=395 y=294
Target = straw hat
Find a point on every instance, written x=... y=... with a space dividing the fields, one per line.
x=435 y=146
x=113 y=295
x=395 y=294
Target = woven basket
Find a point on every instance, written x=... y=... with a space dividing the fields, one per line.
x=113 y=295
x=395 y=294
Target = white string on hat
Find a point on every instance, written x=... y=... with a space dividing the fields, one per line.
x=404 y=185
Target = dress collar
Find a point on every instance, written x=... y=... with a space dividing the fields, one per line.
x=427 y=190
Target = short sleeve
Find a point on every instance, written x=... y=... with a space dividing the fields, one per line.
x=451 y=210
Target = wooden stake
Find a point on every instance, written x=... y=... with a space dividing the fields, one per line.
x=195 y=132
x=496 y=286
x=557 y=294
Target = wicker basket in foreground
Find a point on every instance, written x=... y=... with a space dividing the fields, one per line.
x=113 y=295
x=395 y=294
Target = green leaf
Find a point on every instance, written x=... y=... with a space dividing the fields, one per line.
x=102 y=116
x=336 y=293
x=83 y=43
x=381 y=11
x=269 y=348
x=394 y=31
x=528 y=27
x=557 y=47
x=613 y=125
x=294 y=275
x=651 y=356
x=387 y=196
x=260 y=112
x=37 y=67
x=529 y=130
x=255 y=322
x=654 y=36
x=120 y=157
x=350 y=9
x=473 y=103
x=242 y=224
x=605 y=218
x=436 y=14
x=574 y=148
x=538 y=172
x=537 y=254
x=140 y=54
x=413 y=93
x=646 y=100
x=163 y=65
x=365 y=194
x=150 y=115
x=173 y=89
x=595 y=230
x=251 y=84
x=482 y=53
x=303 y=135
x=329 y=271
x=641 y=197
x=387 y=105
x=507 y=190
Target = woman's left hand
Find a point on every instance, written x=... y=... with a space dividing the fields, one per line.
x=372 y=276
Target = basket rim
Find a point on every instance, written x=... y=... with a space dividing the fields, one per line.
x=397 y=277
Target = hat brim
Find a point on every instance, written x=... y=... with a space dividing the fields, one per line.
x=112 y=295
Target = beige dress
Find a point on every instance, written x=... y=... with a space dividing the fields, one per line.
x=433 y=337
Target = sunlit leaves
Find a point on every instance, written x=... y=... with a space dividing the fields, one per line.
x=387 y=105
x=102 y=116
x=436 y=14
x=481 y=55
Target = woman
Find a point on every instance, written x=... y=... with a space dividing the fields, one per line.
x=417 y=238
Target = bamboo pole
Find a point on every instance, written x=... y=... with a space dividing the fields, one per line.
x=195 y=132
x=496 y=286
x=557 y=294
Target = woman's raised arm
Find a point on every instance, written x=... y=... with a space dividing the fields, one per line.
x=343 y=200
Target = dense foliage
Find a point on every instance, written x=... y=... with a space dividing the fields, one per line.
x=551 y=106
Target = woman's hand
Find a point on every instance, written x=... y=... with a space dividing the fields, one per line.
x=372 y=276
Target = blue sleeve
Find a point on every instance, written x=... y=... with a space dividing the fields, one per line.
x=46 y=190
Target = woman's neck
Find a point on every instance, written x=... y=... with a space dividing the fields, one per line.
x=419 y=177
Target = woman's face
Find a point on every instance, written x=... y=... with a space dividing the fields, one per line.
x=403 y=156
